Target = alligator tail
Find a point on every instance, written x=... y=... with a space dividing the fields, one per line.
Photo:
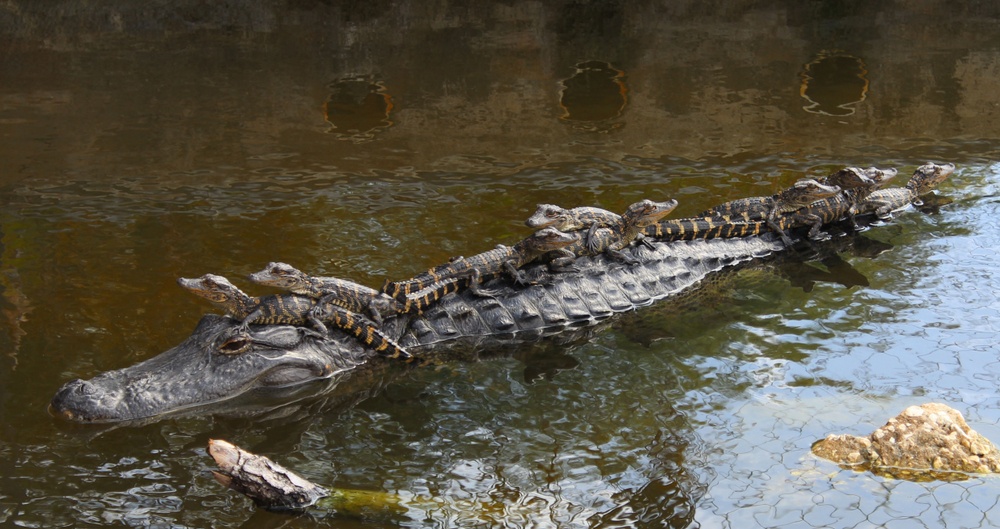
x=363 y=329
x=416 y=302
x=703 y=228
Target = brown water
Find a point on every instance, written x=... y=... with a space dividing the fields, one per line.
x=141 y=143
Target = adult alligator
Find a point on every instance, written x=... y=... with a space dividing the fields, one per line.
x=196 y=372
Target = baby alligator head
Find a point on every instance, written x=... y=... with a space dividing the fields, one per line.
x=929 y=176
x=646 y=212
x=805 y=192
x=282 y=275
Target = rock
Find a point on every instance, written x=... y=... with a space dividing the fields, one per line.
x=931 y=441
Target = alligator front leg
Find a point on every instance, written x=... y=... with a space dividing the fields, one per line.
x=562 y=261
x=815 y=232
x=852 y=214
x=620 y=255
x=776 y=228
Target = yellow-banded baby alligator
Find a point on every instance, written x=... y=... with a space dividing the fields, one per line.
x=346 y=294
x=290 y=309
x=855 y=186
x=800 y=195
x=883 y=202
x=340 y=292
x=469 y=271
x=614 y=237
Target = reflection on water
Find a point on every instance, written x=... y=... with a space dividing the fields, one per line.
x=595 y=94
x=834 y=83
x=144 y=143
x=358 y=108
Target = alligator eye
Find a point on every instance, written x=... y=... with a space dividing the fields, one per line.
x=235 y=345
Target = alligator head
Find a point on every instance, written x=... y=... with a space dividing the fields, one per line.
x=219 y=361
x=928 y=176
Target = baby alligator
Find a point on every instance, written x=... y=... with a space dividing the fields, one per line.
x=290 y=309
x=346 y=294
x=800 y=195
x=470 y=271
x=562 y=219
x=885 y=201
x=613 y=237
x=855 y=186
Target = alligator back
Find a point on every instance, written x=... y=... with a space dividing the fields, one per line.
x=600 y=288
x=884 y=201
x=741 y=210
x=489 y=262
x=282 y=309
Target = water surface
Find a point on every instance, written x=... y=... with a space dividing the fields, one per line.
x=371 y=140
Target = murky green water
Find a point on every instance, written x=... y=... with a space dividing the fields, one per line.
x=140 y=144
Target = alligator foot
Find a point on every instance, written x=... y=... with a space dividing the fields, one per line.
x=623 y=257
x=820 y=236
x=484 y=292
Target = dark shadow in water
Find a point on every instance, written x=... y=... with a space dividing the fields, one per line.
x=834 y=83
x=358 y=108
x=594 y=96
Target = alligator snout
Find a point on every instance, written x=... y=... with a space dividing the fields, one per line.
x=67 y=400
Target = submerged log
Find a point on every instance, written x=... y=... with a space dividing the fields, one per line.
x=931 y=441
x=267 y=483
x=273 y=487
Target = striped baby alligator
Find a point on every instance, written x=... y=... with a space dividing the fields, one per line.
x=287 y=309
x=607 y=237
x=469 y=272
x=800 y=195
x=884 y=202
x=574 y=219
x=856 y=184
x=348 y=294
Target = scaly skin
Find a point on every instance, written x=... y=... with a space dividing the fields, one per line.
x=197 y=372
x=926 y=178
x=691 y=229
x=612 y=239
x=340 y=292
x=855 y=185
x=566 y=220
x=470 y=271
x=800 y=195
x=289 y=309
x=856 y=189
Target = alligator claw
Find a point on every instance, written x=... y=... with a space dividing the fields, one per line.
x=645 y=242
